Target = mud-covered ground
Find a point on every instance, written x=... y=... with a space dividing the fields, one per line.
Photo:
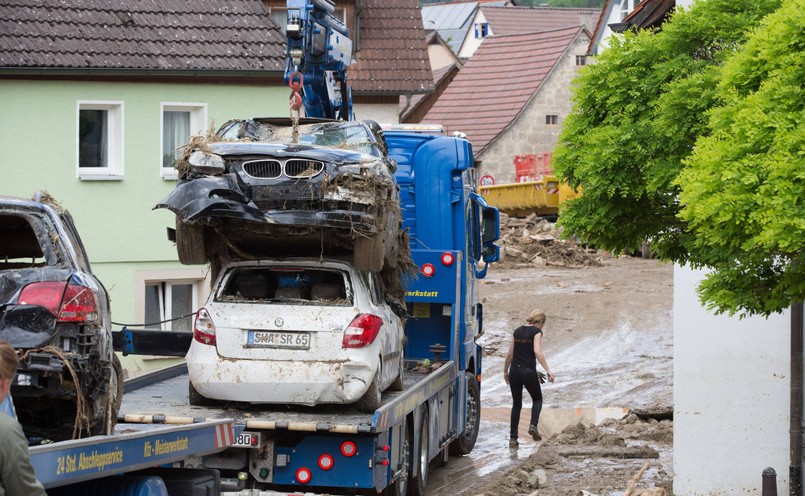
x=608 y=340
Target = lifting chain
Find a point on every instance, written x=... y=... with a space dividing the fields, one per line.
x=295 y=82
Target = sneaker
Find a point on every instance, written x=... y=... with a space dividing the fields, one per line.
x=513 y=443
x=532 y=430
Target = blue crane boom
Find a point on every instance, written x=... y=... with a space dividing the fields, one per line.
x=319 y=53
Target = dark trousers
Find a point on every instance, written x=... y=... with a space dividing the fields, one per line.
x=520 y=378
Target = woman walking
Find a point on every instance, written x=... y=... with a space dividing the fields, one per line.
x=520 y=371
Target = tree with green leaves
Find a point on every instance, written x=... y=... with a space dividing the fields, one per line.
x=742 y=189
x=639 y=113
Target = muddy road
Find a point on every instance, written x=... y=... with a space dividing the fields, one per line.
x=608 y=340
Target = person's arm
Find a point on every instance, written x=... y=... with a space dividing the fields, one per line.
x=508 y=361
x=541 y=357
x=18 y=476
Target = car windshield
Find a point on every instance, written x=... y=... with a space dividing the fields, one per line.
x=283 y=284
x=346 y=135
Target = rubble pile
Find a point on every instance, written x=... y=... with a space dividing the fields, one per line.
x=533 y=241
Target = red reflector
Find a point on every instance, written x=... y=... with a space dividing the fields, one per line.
x=362 y=331
x=448 y=259
x=348 y=448
x=326 y=462
x=303 y=475
x=428 y=270
x=385 y=463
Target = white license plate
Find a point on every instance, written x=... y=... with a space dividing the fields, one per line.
x=273 y=339
x=247 y=440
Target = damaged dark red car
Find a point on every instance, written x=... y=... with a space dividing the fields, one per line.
x=55 y=313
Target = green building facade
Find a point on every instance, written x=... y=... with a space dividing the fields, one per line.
x=103 y=151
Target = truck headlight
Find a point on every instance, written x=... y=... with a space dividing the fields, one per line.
x=206 y=163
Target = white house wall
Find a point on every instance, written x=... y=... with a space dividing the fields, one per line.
x=383 y=113
x=471 y=43
x=731 y=397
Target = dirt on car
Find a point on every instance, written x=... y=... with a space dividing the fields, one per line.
x=608 y=340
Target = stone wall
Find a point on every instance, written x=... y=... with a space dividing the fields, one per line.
x=529 y=132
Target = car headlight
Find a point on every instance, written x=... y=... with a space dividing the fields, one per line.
x=361 y=167
x=206 y=163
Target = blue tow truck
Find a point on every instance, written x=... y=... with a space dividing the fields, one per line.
x=331 y=449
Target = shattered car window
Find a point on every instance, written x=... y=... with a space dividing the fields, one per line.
x=346 y=135
x=277 y=285
x=19 y=244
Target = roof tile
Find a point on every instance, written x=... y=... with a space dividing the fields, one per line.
x=234 y=35
x=515 y=20
x=392 y=57
x=494 y=86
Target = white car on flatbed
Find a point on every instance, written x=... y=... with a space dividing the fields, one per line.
x=296 y=331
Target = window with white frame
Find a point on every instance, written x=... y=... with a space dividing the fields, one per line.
x=170 y=305
x=481 y=30
x=99 y=140
x=179 y=122
x=627 y=6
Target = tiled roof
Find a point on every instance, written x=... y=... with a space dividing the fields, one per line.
x=650 y=13
x=438 y=76
x=494 y=86
x=513 y=20
x=393 y=54
x=153 y=35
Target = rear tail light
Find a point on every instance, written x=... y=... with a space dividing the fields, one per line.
x=348 y=448
x=362 y=331
x=67 y=302
x=428 y=270
x=204 y=328
x=303 y=475
x=448 y=258
x=326 y=462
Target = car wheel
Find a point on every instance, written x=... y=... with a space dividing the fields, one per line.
x=370 y=401
x=197 y=399
x=466 y=441
x=111 y=401
x=369 y=253
x=418 y=484
x=397 y=385
x=190 y=243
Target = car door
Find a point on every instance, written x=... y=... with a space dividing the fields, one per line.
x=390 y=334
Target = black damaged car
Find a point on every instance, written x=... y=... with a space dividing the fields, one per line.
x=55 y=313
x=259 y=187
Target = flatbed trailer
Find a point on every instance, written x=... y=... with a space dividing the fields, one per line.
x=131 y=448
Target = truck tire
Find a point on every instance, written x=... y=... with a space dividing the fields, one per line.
x=370 y=401
x=196 y=399
x=421 y=460
x=464 y=443
x=190 y=243
x=369 y=253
